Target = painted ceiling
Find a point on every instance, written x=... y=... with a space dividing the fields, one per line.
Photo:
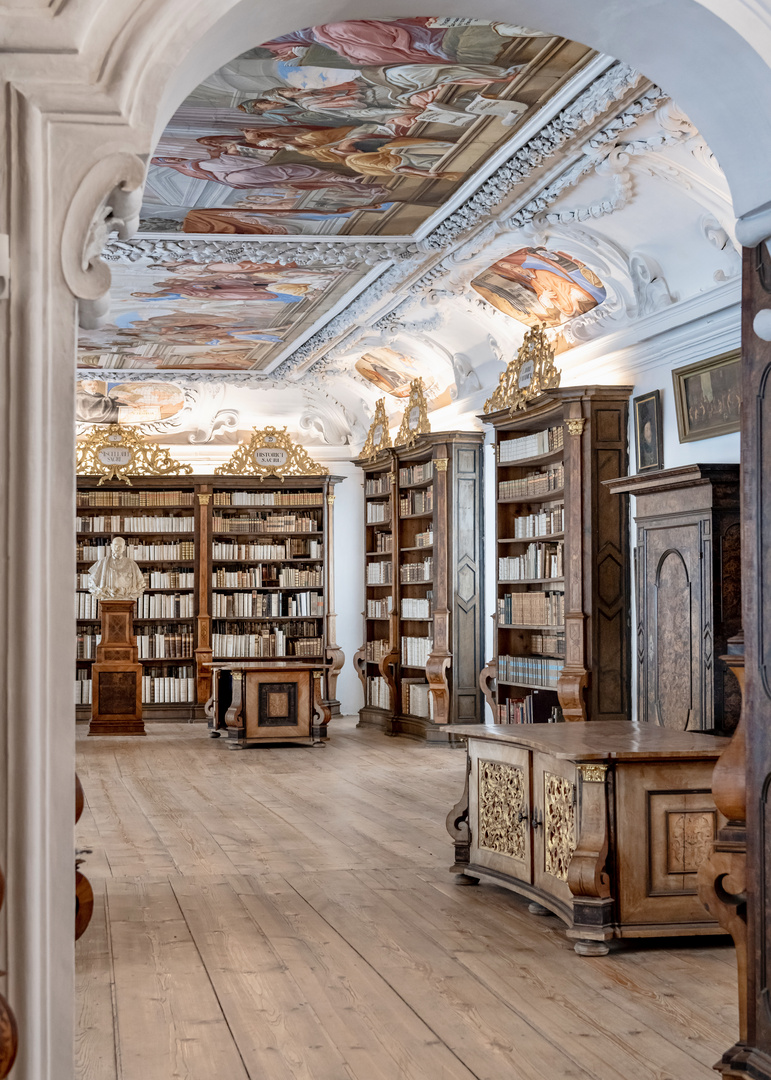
x=356 y=128
x=581 y=200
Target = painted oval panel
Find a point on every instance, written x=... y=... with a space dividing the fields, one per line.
x=673 y=642
x=540 y=287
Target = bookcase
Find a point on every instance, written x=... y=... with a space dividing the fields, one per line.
x=423 y=580
x=562 y=595
x=236 y=567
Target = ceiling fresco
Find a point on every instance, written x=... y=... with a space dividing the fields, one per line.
x=219 y=315
x=392 y=373
x=364 y=127
x=102 y=401
x=540 y=287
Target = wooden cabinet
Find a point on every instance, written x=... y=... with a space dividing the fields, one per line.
x=688 y=594
x=237 y=567
x=423 y=626
x=562 y=618
x=275 y=702
x=604 y=824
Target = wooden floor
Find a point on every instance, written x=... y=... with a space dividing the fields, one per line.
x=287 y=913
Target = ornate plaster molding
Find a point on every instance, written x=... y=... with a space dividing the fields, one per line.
x=614 y=84
x=611 y=86
x=107 y=200
x=303 y=253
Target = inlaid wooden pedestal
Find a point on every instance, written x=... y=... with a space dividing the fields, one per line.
x=117 y=675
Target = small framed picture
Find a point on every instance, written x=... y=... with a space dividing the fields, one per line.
x=708 y=397
x=648 y=435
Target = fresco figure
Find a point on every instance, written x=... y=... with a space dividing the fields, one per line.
x=540 y=287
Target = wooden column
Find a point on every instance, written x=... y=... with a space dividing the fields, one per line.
x=203 y=650
x=751 y=1054
x=441 y=656
x=723 y=877
x=574 y=677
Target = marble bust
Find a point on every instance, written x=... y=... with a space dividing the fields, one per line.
x=116 y=576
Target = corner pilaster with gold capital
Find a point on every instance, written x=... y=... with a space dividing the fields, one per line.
x=334 y=654
x=202 y=507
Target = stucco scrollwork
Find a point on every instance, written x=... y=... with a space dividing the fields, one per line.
x=107 y=200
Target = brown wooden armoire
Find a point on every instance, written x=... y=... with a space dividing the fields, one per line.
x=688 y=595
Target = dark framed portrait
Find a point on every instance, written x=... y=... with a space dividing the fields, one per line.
x=648 y=435
x=708 y=397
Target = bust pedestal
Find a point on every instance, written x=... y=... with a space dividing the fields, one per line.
x=117 y=675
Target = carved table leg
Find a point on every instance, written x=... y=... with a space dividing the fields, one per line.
x=458 y=828
x=321 y=710
x=234 y=717
x=588 y=878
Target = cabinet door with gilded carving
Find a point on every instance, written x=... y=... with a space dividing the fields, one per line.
x=554 y=823
x=500 y=809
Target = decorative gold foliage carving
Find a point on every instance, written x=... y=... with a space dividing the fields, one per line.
x=690 y=836
x=415 y=419
x=502 y=813
x=378 y=436
x=530 y=373
x=271 y=452
x=559 y=824
x=593 y=774
x=576 y=426
x=441 y=463
x=113 y=452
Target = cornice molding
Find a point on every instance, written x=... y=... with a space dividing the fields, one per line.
x=347 y=255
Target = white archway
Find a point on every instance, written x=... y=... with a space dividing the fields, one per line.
x=89 y=82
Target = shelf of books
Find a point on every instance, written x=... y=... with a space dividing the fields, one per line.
x=157 y=518
x=423 y=600
x=562 y=597
x=378 y=654
x=236 y=567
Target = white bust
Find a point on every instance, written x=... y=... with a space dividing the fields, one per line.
x=116 y=576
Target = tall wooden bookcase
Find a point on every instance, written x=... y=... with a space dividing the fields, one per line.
x=249 y=573
x=562 y=581
x=423 y=622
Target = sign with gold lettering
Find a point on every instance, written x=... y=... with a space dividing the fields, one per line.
x=271 y=452
x=118 y=453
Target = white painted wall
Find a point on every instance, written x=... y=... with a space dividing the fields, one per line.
x=349 y=579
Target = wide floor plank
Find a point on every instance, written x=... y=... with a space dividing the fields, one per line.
x=287 y=914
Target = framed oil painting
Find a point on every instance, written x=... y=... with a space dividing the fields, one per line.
x=648 y=435
x=708 y=397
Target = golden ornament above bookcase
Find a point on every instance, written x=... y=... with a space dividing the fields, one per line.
x=118 y=453
x=271 y=452
x=415 y=419
x=530 y=373
x=378 y=436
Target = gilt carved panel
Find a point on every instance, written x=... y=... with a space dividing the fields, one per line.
x=503 y=820
x=558 y=824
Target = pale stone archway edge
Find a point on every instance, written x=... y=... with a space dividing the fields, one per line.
x=92 y=80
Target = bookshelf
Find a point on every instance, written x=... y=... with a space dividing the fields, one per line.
x=236 y=568
x=423 y=579
x=562 y=594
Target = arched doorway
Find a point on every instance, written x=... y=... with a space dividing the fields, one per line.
x=89 y=86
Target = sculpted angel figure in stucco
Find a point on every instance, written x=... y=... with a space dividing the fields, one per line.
x=116 y=576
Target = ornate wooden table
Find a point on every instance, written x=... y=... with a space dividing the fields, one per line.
x=604 y=824
x=279 y=701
